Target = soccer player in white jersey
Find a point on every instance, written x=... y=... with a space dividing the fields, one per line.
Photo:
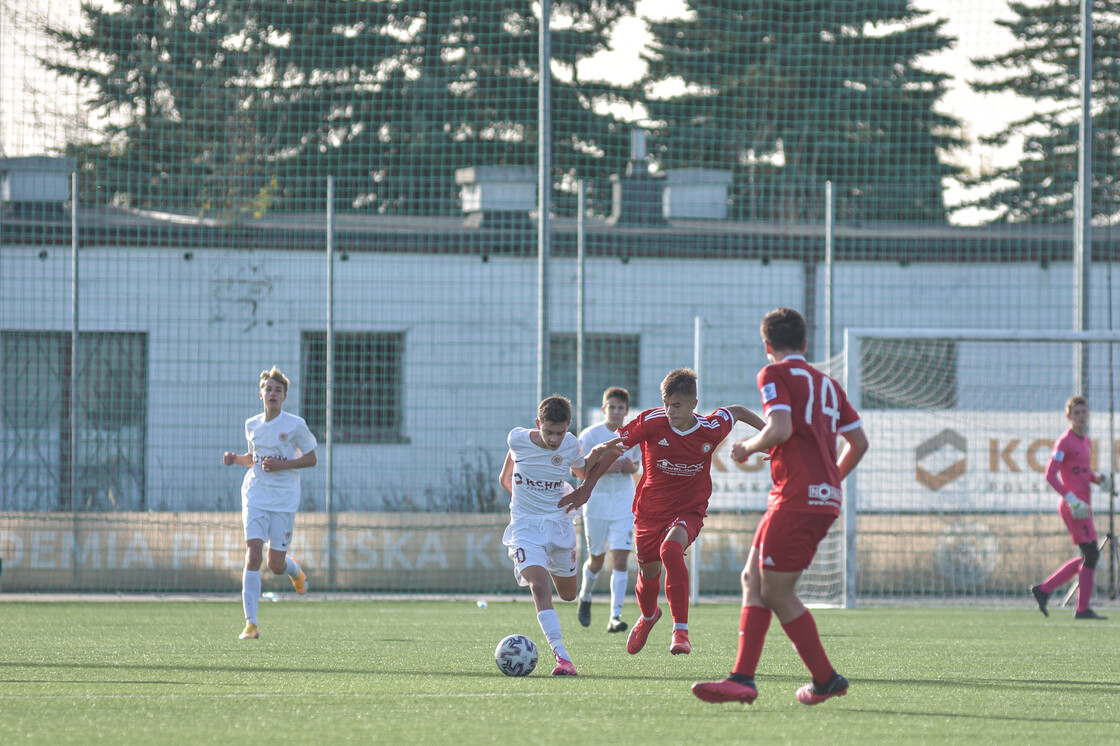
x=1070 y=474
x=541 y=536
x=608 y=520
x=279 y=444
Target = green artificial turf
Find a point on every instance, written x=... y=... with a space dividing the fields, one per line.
x=420 y=672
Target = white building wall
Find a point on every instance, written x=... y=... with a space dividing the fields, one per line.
x=216 y=319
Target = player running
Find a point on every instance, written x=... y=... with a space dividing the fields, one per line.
x=608 y=522
x=540 y=536
x=279 y=445
x=672 y=497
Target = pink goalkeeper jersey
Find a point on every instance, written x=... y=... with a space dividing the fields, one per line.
x=1068 y=470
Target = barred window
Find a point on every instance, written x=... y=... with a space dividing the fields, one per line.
x=368 y=386
x=112 y=398
x=608 y=360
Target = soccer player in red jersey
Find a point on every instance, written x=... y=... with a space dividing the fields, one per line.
x=1069 y=473
x=671 y=500
x=805 y=411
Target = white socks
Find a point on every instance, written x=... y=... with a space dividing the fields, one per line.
x=251 y=589
x=618 y=591
x=589 y=579
x=251 y=594
x=550 y=625
x=619 y=579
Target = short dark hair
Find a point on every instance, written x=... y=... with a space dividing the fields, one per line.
x=783 y=329
x=679 y=381
x=616 y=392
x=556 y=409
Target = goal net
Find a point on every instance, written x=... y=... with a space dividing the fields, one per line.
x=952 y=499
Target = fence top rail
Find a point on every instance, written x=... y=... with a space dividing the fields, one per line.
x=986 y=335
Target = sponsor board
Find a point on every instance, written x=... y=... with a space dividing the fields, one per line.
x=370 y=551
x=946 y=461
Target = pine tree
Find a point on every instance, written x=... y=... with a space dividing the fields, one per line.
x=239 y=107
x=1044 y=66
x=460 y=90
x=175 y=135
x=793 y=93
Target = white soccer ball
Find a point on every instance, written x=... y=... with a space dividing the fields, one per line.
x=516 y=655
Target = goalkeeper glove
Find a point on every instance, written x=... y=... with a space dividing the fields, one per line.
x=1105 y=483
x=1077 y=506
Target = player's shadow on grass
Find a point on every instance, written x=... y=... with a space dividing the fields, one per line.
x=123 y=682
x=381 y=670
x=1017 y=684
x=765 y=681
x=248 y=668
x=984 y=716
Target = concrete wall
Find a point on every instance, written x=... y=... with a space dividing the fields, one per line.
x=216 y=317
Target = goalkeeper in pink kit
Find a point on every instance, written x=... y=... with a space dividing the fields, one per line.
x=1069 y=473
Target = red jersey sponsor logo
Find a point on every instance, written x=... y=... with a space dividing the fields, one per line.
x=824 y=494
x=679 y=470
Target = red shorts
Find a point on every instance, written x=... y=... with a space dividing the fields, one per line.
x=649 y=535
x=1079 y=531
x=787 y=540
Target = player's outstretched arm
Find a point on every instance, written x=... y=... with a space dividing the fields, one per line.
x=742 y=414
x=575 y=499
x=778 y=429
x=611 y=450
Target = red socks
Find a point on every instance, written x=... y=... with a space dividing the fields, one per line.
x=676 y=585
x=676 y=580
x=754 y=622
x=802 y=632
x=1062 y=575
x=647 y=590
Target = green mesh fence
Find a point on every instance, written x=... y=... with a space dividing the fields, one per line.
x=192 y=192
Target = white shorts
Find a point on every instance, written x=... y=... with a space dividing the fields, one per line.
x=266 y=525
x=604 y=533
x=547 y=543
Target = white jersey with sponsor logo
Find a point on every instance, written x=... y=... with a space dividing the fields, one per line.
x=286 y=436
x=613 y=496
x=539 y=475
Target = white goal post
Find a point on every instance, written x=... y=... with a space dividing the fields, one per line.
x=951 y=499
x=961 y=423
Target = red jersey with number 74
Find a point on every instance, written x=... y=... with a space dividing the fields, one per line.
x=803 y=469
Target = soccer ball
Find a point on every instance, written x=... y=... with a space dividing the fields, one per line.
x=516 y=655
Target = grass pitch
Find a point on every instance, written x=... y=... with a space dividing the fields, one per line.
x=422 y=672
